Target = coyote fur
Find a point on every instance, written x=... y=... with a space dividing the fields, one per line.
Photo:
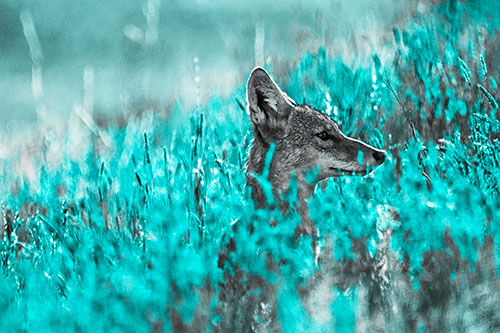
x=305 y=140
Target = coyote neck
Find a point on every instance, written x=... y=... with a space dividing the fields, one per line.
x=279 y=180
x=280 y=183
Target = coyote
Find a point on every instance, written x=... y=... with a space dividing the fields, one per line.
x=305 y=141
x=289 y=139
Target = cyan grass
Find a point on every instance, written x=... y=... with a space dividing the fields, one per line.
x=130 y=239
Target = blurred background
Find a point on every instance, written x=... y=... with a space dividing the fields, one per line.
x=108 y=55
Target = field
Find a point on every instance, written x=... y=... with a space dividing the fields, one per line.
x=141 y=223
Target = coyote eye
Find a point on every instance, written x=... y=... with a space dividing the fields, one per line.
x=323 y=136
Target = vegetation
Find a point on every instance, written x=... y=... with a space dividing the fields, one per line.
x=146 y=226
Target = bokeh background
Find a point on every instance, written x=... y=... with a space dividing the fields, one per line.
x=143 y=50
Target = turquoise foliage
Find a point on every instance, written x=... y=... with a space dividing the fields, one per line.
x=158 y=231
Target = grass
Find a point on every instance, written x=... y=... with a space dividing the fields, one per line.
x=146 y=226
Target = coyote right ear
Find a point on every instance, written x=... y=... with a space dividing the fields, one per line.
x=267 y=104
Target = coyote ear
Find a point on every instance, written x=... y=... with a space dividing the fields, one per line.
x=267 y=104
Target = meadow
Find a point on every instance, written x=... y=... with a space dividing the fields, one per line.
x=143 y=225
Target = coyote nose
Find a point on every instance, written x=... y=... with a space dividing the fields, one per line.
x=379 y=156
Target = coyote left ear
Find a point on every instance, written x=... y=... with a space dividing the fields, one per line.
x=267 y=104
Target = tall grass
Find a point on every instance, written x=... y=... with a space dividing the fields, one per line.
x=155 y=230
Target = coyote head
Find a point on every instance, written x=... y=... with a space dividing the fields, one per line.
x=305 y=139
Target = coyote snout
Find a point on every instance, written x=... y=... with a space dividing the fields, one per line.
x=305 y=140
